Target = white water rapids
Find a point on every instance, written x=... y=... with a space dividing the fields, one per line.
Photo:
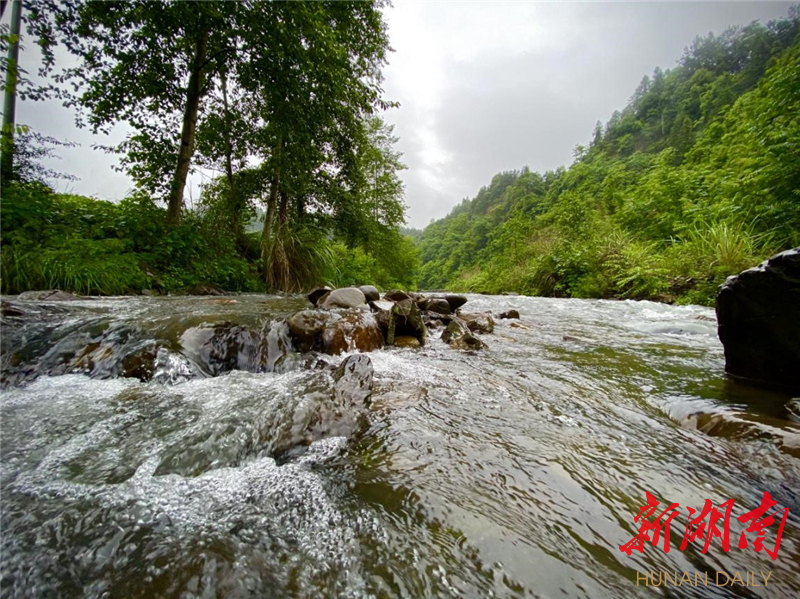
x=515 y=471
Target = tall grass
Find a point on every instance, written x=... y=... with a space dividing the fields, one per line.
x=82 y=266
x=299 y=258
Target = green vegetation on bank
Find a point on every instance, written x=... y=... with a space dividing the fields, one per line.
x=279 y=98
x=696 y=179
x=89 y=246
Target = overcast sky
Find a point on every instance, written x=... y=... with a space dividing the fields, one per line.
x=483 y=87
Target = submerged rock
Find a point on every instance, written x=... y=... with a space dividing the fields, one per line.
x=97 y=349
x=355 y=330
x=758 y=315
x=479 y=322
x=305 y=329
x=205 y=290
x=346 y=297
x=342 y=413
x=224 y=347
x=432 y=323
x=458 y=336
x=10 y=309
x=406 y=341
x=509 y=314
x=353 y=387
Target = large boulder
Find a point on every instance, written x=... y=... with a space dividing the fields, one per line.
x=371 y=293
x=758 y=312
x=346 y=297
x=383 y=311
x=355 y=330
x=509 y=314
x=458 y=336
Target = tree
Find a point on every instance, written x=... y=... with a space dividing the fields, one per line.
x=145 y=63
x=321 y=63
x=375 y=204
x=10 y=92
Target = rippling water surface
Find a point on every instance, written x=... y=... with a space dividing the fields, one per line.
x=512 y=472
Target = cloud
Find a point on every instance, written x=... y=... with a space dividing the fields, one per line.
x=487 y=87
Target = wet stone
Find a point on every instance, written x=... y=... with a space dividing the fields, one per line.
x=479 y=322
x=439 y=305
x=224 y=347
x=317 y=294
x=9 y=309
x=455 y=301
x=408 y=321
x=758 y=312
x=509 y=314
x=406 y=341
x=395 y=295
x=355 y=330
x=458 y=336
x=371 y=293
x=305 y=329
x=347 y=297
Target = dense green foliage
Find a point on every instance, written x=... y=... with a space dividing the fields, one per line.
x=696 y=179
x=88 y=246
x=95 y=247
x=280 y=97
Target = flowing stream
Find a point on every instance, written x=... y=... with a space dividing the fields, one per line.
x=516 y=471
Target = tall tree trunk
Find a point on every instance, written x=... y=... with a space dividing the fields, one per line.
x=233 y=197
x=193 y=93
x=281 y=269
x=10 y=99
x=266 y=233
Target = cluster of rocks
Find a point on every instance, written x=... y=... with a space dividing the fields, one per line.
x=359 y=318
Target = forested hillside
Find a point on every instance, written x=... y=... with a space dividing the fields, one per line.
x=279 y=102
x=696 y=179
